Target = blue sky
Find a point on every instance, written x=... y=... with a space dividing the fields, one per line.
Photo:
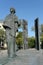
x=25 y=9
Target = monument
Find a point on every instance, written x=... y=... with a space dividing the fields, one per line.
x=10 y=24
x=37 y=39
x=24 y=25
x=25 y=34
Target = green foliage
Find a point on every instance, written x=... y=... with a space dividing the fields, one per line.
x=41 y=27
x=19 y=39
x=19 y=35
x=2 y=34
x=41 y=31
x=31 y=42
x=41 y=38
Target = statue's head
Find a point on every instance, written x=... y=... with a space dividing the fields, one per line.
x=12 y=10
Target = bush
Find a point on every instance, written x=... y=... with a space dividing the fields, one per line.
x=31 y=42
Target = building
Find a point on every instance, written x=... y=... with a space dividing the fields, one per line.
x=2 y=30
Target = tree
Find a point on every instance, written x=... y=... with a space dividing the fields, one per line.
x=40 y=30
x=19 y=40
x=31 y=42
x=41 y=33
x=2 y=34
x=2 y=37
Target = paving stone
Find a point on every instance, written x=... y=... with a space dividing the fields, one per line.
x=24 y=57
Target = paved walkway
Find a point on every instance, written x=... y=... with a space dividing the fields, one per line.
x=24 y=57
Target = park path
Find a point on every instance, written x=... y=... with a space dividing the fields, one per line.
x=24 y=57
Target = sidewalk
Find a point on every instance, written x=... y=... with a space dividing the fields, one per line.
x=24 y=57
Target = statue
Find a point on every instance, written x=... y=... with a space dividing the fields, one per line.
x=24 y=25
x=10 y=24
x=25 y=34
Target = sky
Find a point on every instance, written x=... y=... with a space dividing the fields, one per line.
x=25 y=9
